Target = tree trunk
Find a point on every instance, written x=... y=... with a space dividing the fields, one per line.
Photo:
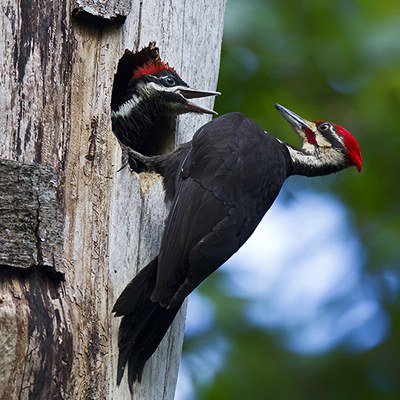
x=73 y=230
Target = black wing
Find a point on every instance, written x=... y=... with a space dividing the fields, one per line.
x=229 y=179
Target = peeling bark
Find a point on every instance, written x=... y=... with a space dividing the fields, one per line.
x=30 y=216
x=88 y=229
x=110 y=11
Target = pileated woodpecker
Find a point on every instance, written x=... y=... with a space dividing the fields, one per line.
x=154 y=92
x=222 y=183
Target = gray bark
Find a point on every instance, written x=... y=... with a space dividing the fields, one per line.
x=109 y=11
x=30 y=216
x=88 y=228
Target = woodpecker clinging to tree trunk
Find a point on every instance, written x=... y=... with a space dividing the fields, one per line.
x=154 y=93
x=222 y=183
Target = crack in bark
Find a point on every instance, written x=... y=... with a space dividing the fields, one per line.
x=139 y=25
x=31 y=218
x=39 y=249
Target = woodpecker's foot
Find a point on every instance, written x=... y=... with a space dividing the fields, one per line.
x=129 y=156
x=135 y=164
x=125 y=159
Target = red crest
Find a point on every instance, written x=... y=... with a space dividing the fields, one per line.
x=151 y=68
x=353 y=149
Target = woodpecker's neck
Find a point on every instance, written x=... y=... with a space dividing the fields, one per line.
x=315 y=161
x=135 y=120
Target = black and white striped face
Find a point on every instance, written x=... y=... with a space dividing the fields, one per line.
x=324 y=140
x=166 y=85
x=320 y=135
x=165 y=92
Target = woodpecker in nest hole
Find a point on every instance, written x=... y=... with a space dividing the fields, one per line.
x=154 y=94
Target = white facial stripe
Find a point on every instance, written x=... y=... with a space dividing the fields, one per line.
x=321 y=141
x=152 y=87
x=316 y=158
x=308 y=147
x=126 y=108
x=146 y=90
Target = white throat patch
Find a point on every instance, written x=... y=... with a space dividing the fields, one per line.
x=126 y=108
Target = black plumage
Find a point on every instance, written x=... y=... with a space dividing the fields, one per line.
x=215 y=179
x=221 y=184
x=144 y=113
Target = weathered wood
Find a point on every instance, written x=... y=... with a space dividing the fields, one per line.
x=55 y=93
x=36 y=57
x=30 y=216
x=36 y=337
x=112 y=11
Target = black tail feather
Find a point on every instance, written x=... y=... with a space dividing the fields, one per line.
x=144 y=323
x=137 y=291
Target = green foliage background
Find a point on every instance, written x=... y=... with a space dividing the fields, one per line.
x=326 y=60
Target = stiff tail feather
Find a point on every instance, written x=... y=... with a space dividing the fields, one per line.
x=144 y=323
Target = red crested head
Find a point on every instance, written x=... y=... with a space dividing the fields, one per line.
x=152 y=68
x=333 y=147
x=353 y=149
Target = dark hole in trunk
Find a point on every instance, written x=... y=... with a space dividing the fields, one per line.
x=161 y=137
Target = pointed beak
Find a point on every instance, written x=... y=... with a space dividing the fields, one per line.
x=195 y=93
x=300 y=125
x=188 y=93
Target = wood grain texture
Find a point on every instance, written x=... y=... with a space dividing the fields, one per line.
x=110 y=11
x=59 y=337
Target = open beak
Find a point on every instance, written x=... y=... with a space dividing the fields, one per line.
x=188 y=93
x=195 y=94
x=299 y=124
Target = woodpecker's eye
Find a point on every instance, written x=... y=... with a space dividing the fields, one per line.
x=324 y=127
x=169 y=80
